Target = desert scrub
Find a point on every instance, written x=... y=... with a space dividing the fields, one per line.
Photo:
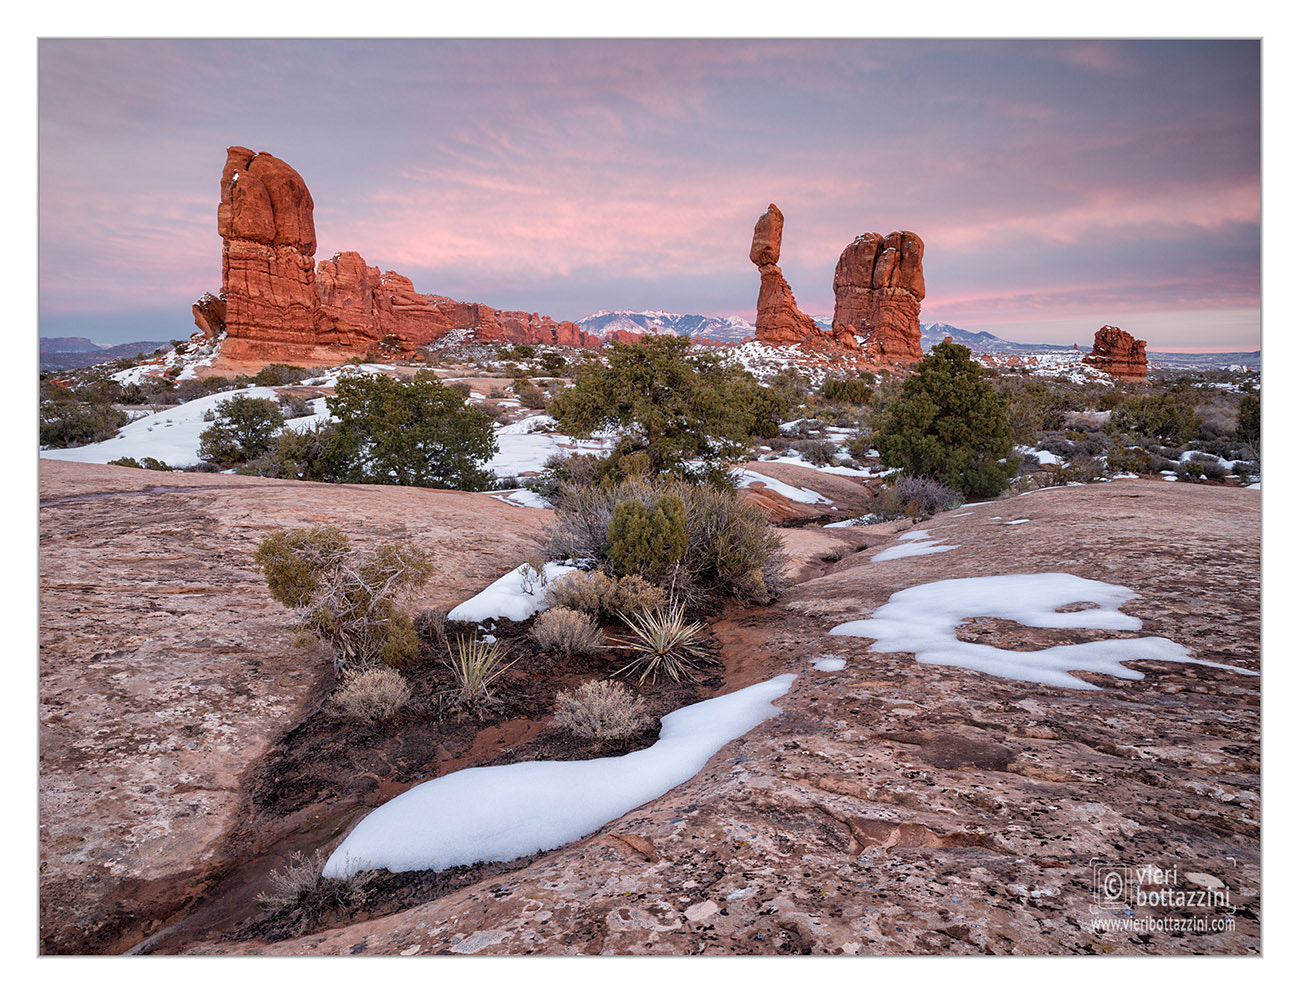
x=665 y=644
x=601 y=710
x=356 y=603
x=730 y=549
x=599 y=595
x=850 y=390
x=301 y=891
x=917 y=498
x=476 y=667
x=143 y=463
x=566 y=631
x=371 y=695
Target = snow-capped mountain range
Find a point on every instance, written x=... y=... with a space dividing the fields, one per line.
x=734 y=328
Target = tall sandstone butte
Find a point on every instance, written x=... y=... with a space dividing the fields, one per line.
x=879 y=285
x=1116 y=352
x=277 y=305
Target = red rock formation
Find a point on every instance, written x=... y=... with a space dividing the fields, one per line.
x=1116 y=352
x=879 y=285
x=276 y=305
x=779 y=322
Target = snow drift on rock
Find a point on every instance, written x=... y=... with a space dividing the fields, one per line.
x=499 y=813
x=923 y=620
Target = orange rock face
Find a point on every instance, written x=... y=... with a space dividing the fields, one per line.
x=1116 y=352
x=277 y=305
x=779 y=321
x=879 y=285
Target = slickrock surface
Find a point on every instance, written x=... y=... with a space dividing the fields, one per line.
x=897 y=807
x=1116 y=352
x=167 y=671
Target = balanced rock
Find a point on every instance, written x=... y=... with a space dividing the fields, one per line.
x=779 y=321
x=1116 y=352
x=879 y=285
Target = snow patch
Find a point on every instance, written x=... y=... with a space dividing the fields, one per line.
x=516 y=596
x=923 y=621
x=499 y=813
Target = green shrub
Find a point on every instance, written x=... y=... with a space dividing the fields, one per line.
x=243 y=429
x=308 y=453
x=1124 y=459
x=648 y=541
x=66 y=423
x=731 y=551
x=849 y=390
x=1248 y=420
x=418 y=433
x=279 y=375
x=601 y=710
x=665 y=644
x=143 y=463
x=1163 y=416
x=677 y=411
x=566 y=631
x=950 y=425
x=1080 y=470
x=355 y=603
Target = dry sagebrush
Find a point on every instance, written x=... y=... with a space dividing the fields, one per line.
x=566 y=631
x=601 y=710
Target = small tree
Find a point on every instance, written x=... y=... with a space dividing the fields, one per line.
x=949 y=424
x=679 y=411
x=418 y=433
x=243 y=429
x=1248 y=420
x=1161 y=416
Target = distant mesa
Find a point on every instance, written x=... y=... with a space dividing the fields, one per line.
x=1117 y=353
x=277 y=304
x=879 y=285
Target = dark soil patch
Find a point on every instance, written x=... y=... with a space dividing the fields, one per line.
x=335 y=764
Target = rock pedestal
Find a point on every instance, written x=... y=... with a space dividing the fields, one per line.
x=879 y=285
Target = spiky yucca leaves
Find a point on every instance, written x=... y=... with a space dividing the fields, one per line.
x=665 y=643
x=476 y=667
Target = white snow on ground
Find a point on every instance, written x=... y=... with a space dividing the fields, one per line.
x=828 y=662
x=525 y=426
x=803 y=495
x=840 y=471
x=172 y=435
x=516 y=596
x=915 y=543
x=522 y=498
x=923 y=620
x=499 y=813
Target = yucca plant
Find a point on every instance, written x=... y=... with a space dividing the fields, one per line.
x=476 y=666
x=665 y=643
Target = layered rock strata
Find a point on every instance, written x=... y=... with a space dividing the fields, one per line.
x=1116 y=352
x=277 y=305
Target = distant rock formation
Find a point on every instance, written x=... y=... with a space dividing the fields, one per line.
x=779 y=322
x=1116 y=352
x=879 y=285
x=878 y=290
x=277 y=305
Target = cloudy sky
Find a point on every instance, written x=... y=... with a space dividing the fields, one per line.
x=1058 y=185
